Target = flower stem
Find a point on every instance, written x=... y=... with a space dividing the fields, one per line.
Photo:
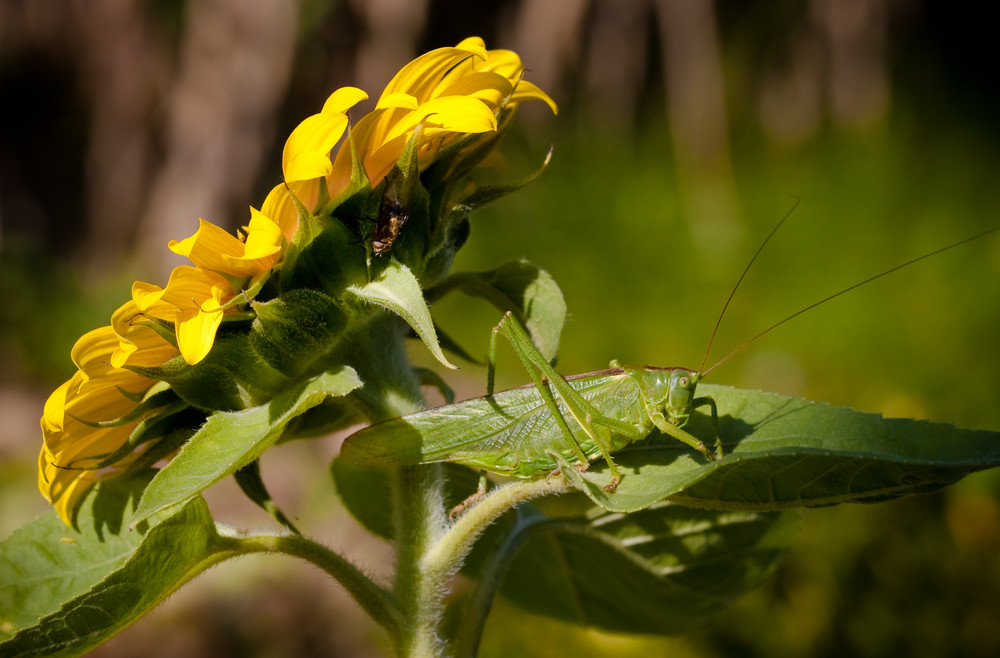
x=372 y=598
x=419 y=520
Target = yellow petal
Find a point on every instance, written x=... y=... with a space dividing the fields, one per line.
x=146 y=295
x=474 y=45
x=264 y=236
x=280 y=206
x=307 y=151
x=138 y=345
x=263 y=244
x=396 y=101
x=488 y=87
x=208 y=246
x=343 y=99
x=190 y=287
x=196 y=334
x=502 y=62
x=419 y=77
x=527 y=91
x=53 y=413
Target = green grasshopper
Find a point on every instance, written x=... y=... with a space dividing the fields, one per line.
x=531 y=430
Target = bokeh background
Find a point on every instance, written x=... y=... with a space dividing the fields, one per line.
x=684 y=130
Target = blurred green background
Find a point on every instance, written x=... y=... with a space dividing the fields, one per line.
x=684 y=130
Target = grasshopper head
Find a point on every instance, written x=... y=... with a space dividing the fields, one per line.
x=680 y=394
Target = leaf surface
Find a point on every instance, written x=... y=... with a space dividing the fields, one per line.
x=64 y=591
x=783 y=452
x=232 y=439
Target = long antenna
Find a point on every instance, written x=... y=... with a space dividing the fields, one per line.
x=746 y=343
x=732 y=293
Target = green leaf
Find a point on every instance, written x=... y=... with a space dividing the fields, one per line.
x=784 y=452
x=65 y=591
x=522 y=288
x=396 y=289
x=664 y=570
x=232 y=439
x=252 y=485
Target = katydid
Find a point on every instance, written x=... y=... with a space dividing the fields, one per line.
x=531 y=430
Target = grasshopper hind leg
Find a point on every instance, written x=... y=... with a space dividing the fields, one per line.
x=480 y=493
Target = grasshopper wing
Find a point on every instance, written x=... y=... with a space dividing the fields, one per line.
x=509 y=433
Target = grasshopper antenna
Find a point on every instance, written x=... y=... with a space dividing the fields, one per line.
x=746 y=343
x=718 y=323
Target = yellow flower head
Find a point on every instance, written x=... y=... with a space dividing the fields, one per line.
x=448 y=93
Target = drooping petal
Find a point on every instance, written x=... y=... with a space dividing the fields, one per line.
x=343 y=99
x=138 y=344
x=208 y=246
x=262 y=246
x=528 y=91
x=147 y=296
x=196 y=333
x=280 y=206
x=190 y=293
x=73 y=442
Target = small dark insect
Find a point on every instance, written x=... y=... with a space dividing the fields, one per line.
x=391 y=218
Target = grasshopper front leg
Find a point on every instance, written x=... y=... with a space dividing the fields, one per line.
x=660 y=420
x=590 y=420
x=710 y=402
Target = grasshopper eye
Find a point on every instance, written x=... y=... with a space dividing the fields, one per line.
x=684 y=382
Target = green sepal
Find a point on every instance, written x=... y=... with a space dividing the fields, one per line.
x=450 y=234
x=251 y=484
x=162 y=328
x=522 y=288
x=230 y=440
x=486 y=194
x=160 y=398
x=296 y=329
x=456 y=160
x=232 y=376
x=64 y=591
x=430 y=377
x=405 y=191
x=308 y=229
x=397 y=290
x=164 y=422
x=358 y=188
x=138 y=397
x=329 y=257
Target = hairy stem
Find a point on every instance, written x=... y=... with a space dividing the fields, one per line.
x=372 y=598
x=446 y=556
x=419 y=522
